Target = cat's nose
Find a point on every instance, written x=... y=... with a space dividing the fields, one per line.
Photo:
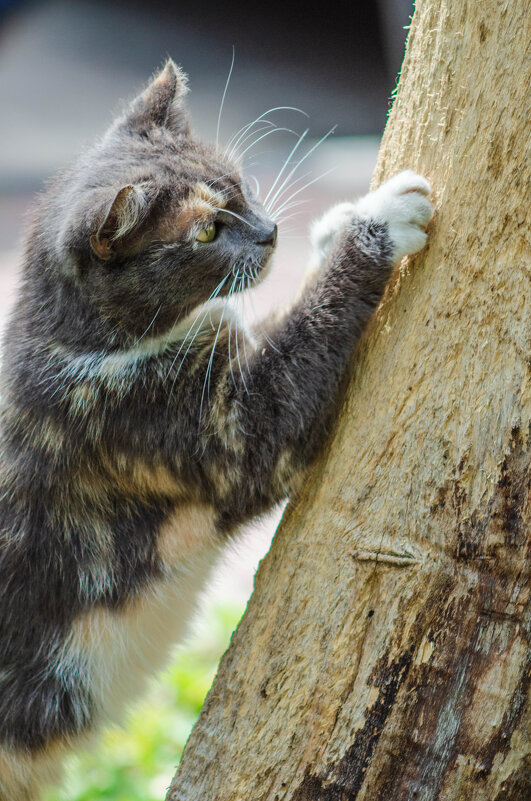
x=268 y=237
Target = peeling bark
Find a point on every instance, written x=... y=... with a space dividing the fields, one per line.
x=385 y=651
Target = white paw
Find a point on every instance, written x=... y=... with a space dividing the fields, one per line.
x=402 y=204
x=325 y=230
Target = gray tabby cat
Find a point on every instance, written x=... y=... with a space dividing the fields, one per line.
x=141 y=424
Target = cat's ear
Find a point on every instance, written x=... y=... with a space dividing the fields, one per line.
x=162 y=103
x=120 y=218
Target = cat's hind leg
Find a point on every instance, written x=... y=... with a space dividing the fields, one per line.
x=23 y=774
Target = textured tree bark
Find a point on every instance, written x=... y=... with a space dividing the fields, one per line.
x=385 y=651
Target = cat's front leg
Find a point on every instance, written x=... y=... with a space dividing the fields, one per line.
x=325 y=231
x=271 y=413
x=401 y=204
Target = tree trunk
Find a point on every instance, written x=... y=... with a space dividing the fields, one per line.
x=384 y=653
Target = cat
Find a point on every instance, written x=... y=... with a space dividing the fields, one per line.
x=141 y=423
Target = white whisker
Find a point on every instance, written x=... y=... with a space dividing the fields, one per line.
x=140 y=338
x=210 y=362
x=213 y=295
x=240 y=156
x=286 y=162
x=240 y=290
x=230 y=357
x=232 y=145
x=288 y=206
x=224 y=94
x=283 y=205
x=227 y=189
x=289 y=187
x=296 y=167
x=243 y=130
x=239 y=217
x=257 y=184
x=238 y=358
x=285 y=219
x=269 y=125
x=219 y=178
x=257 y=319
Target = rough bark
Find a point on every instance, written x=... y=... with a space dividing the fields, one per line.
x=385 y=651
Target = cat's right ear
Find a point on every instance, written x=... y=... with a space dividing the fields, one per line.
x=162 y=103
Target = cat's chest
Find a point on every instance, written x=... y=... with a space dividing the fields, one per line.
x=123 y=647
x=187 y=532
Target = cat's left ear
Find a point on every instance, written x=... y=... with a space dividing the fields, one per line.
x=121 y=218
x=162 y=103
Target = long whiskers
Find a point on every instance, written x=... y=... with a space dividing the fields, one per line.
x=241 y=287
x=238 y=358
x=283 y=220
x=203 y=315
x=250 y=281
x=230 y=357
x=236 y=138
x=296 y=167
x=256 y=183
x=232 y=153
x=206 y=382
x=289 y=186
x=268 y=125
x=218 y=178
x=287 y=204
x=286 y=162
x=239 y=217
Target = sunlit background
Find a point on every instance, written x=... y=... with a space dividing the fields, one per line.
x=65 y=69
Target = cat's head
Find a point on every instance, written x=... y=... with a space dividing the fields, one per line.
x=152 y=222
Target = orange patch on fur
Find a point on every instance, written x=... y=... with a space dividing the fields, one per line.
x=196 y=211
x=201 y=192
x=156 y=480
x=187 y=532
x=136 y=478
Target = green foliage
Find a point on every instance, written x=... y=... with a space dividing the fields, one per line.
x=137 y=764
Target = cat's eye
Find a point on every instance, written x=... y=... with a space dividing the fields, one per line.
x=206 y=234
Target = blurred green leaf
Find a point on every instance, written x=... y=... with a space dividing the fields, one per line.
x=137 y=763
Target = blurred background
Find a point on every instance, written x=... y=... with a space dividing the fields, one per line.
x=66 y=68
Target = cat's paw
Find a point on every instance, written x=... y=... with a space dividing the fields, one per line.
x=402 y=205
x=325 y=230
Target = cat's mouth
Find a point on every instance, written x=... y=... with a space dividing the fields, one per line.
x=258 y=270
x=250 y=270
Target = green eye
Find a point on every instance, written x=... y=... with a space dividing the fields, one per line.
x=207 y=234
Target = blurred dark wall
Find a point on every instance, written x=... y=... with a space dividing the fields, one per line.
x=337 y=60
x=66 y=65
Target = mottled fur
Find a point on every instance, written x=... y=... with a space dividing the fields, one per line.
x=123 y=468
